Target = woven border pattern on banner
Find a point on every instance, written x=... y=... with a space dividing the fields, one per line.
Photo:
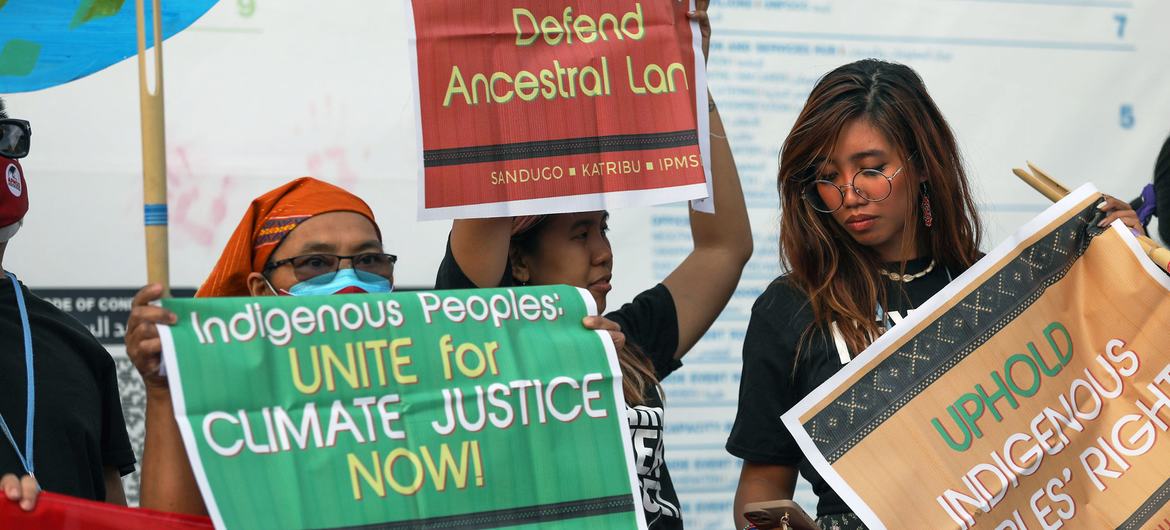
x=1142 y=515
x=570 y=146
x=950 y=338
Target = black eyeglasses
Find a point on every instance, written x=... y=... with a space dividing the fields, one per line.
x=311 y=266
x=869 y=184
x=14 y=137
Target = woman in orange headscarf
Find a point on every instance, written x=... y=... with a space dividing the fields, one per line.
x=290 y=241
x=305 y=237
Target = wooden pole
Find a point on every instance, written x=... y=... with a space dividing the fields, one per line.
x=1039 y=185
x=1044 y=176
x=154 y=152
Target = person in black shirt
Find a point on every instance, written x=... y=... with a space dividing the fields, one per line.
x=876 y=217
x=60 y=412
x=1162 y=192
x=660 y=325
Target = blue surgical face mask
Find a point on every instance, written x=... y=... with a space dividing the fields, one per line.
x=347 y=280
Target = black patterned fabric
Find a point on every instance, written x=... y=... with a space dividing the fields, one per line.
x=840 y=521
x=1146 y=511
x=134 y=411
x=949 y=339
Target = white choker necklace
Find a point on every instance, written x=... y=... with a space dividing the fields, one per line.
x=907 y=278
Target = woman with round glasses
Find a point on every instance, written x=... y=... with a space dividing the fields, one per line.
x=306 y=237
x=876 y=217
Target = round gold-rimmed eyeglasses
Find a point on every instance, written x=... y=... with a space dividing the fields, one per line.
x=869 y=184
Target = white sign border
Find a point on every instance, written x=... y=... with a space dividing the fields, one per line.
x=178 y=402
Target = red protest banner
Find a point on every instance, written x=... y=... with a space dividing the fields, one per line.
x=62 y=512
x=548 y=106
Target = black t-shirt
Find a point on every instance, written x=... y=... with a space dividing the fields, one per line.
x=79 y=428
x=650 y=321
x=1162 y=191
x=775 y=377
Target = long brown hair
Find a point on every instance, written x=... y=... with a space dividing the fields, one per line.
x=839 y=275
x=637 y=372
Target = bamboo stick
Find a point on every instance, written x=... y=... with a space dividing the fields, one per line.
x=1051 y=193
x=1044 y=176
x=154 y=155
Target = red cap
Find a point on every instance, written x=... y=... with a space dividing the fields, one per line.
x=13 y=197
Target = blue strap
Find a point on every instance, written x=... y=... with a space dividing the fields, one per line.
x=26 y=458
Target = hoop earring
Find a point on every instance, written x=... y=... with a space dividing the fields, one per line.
x=927 y=214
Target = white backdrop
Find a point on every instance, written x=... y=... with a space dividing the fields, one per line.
x=260 y=91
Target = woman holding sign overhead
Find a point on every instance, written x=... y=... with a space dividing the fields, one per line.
x=877 y=216
x=660 y=325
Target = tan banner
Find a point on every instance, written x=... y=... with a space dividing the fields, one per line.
x=1032 y=393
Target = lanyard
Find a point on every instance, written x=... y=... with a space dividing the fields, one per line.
x=26 y=458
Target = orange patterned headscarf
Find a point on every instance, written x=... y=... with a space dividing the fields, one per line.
x=524 y=223
x=266 y=223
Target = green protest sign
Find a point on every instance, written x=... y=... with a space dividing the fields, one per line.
x=456 y=409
